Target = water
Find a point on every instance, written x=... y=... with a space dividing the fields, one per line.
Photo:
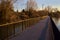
x=57 y=22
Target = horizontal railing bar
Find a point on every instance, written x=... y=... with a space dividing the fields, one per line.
x=18 y=21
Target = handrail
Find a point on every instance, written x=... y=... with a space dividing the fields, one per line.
x=17 y=22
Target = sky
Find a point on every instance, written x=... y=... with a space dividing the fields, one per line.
x=21 y=4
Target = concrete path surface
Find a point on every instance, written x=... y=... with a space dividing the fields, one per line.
x=41 y=31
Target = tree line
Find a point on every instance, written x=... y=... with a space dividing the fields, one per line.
x=8 y=15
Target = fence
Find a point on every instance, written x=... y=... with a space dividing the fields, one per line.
x=9 y=30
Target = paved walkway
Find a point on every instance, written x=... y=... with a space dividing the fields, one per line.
x=41 y=31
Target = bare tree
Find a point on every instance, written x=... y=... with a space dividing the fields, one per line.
x=31 y=4
x=6 y=8
x=48 y=8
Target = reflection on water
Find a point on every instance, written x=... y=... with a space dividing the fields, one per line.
x=57 y=22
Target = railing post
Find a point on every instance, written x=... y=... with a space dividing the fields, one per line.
x=22 y=26
x=7 y=33
x=28 y=23
x=25 y=24
x=7 y=38
x=14 y=30
x=1 y=33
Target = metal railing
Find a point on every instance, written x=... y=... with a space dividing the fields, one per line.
x=9 y=30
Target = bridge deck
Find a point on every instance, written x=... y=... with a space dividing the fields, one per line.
x=41 y=31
